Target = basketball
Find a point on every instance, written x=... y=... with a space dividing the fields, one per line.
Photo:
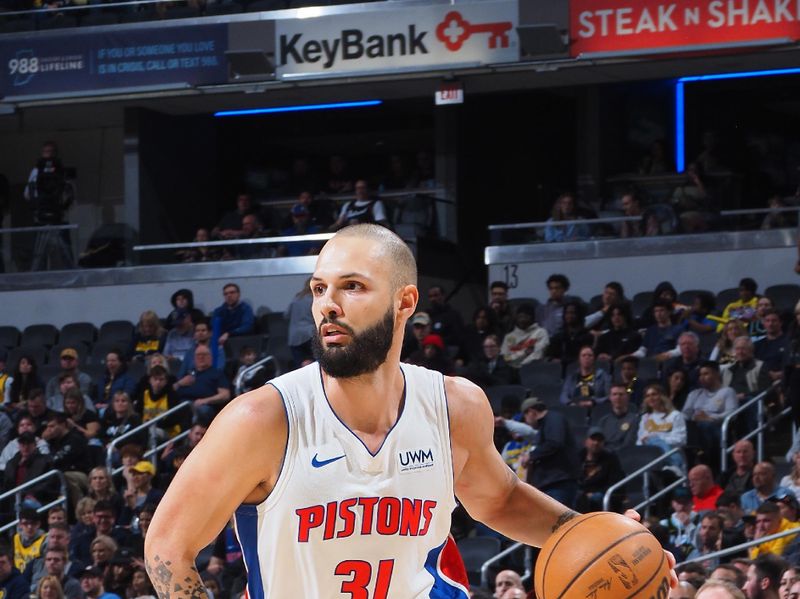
x=601 y=555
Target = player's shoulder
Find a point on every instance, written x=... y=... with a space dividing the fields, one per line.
x=253 y=410
x=464 y=398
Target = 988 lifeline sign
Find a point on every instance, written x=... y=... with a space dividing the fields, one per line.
x=639 y=26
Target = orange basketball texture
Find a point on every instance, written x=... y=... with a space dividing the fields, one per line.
x=601 y=555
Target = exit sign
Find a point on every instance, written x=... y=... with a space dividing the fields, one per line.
x=450 y=93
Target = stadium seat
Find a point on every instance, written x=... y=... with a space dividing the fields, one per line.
x=631 y=461
x=641 y=301
x=726 y=296
x=119 y=332
x=599 y=411
x=687 y=297
x=577 y=416
x=234 y=345
x=137 y=369
x=9 y=336
x=40 y=334
x=37 y=352
x=476 y=551
x=534 y=372
x=785 y=297
x=100 y=350
x=277 y=325
x=648 y=370
x=549 y=391
x=498 y=392
x=77 y=332
x=279 y=348
x=514 y=303
x=54 y=357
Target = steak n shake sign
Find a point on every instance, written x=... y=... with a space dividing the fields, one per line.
x=388 y=40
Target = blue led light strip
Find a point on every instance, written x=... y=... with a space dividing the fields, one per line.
x=298 y=108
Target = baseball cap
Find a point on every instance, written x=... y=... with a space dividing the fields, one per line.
x=682 y=494
x=595 y=431
x=533 y=402
x=433 y=340
x=91 y=571
x=787 y=498
x=69 y=352
x=299 y=210
x=421 y=318
x=144 y=467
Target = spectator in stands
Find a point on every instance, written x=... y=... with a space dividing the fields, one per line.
x=130 y=454
x=565 y=345
x=482 y=325
x=792 y=367
x=790 y=576
x=5 y=377
x=498 y=301
x=320 y=210
x=12 y=584
x=201 y=253
x=104 y=533
x=37 y=409
x=6 y=428
x=791 y=480
x=68 y=361
x=523 y=436
x=301 y=225
x=693 y=202
x=180 y=337
x=746 y=375
x=682 y=522
x=339 y=179
x=363 y=209
x=619 y=427
x=678 y=387
x=550 y=313
x=709 y=537
x=739 y=478
x=301 y=326
x=613 y=295
x=26 y=465
x=789 y=507
x=733 y=525
x=202 y=336
x=661 y=337
x=771 y=348
x=167 y=464
x=420 y=327
x=25 y=424
x=756 y=329
x=769 y=522
x=29 y=540
x=149 y=336
x=79 y=418
x=115 y=378
x=661 y=425
x=55 y=561
x=235 y=317
x=552 y=464
x=119 y=419
x=58 y=538
x=490 y=369
x=252 y=228
x=182 y=301
x=663 y=291
x=445 y=320
x=657 y=160
x=684 y=590
x=157 y=398
x=620 y=339
x=527 y=341
x=629 y=376
x=433 y=355
x=68 y=382
x=688 y=359
x=744 y=308
x=764 y=487
x=508 y=581
x=705 y=491
x=102 y=549
x=564 y=209
x=230 y=226
x=587 y=385
x=91 y=579
x=598 y=470
x=22 y=382
x=692 y=573
x=707 y=406
x=69 y=452
x=136 y=540
x=206 y=387
x=696 y=319
x=723 y=350
x=648 y=224
x=101 y=488
x=141 y=492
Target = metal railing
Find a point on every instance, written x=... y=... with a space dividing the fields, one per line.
x=759 y=431
x=144 y=426
x=31 y=483
x=230 y=242
x=646 y=486
x=492 y=560
x=740 y=547
x=240 y=376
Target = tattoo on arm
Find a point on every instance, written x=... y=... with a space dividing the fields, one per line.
x=163 y=577
x=563 y=519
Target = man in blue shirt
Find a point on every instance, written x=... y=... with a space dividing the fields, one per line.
x=662 y=336
x=92 y=584
x=235 y=317
x=764 y=487
x=206 y=387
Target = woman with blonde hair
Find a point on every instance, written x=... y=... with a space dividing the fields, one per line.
x=120 y=418
x=49 y=588
x=101 y=488
x=83 y=517
x=661 y=425
x=102 y=550
x=149 y=336
x=723 y=350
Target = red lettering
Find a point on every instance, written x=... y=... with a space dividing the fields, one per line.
x=330 y=520
x=427 y=511
x=388 y=516
x=346 y=513
x=368 y=503
x=412 y=513
x=310 y=517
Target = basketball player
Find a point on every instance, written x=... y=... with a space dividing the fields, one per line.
x=342 y=474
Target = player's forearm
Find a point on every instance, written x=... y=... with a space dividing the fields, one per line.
x=173 y=576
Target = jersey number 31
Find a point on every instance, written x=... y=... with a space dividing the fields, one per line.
x=361 y=573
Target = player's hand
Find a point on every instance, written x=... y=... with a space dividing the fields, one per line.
x=673 y=577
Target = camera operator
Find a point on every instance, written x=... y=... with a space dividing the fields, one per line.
x=51 y=194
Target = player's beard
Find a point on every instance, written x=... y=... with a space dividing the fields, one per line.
x=366 y=351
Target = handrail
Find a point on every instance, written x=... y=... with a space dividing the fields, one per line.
x=62 y=499
x=668 y=489
x=384 y=195
x=745 y=545
x=237 y=381
x=485 y=566
x=644 y=469
x=33 y=482
x=729 y=418
x=40 y=229
x=145 y=425
x=155 y=450
x=83 y=7
x=227 y=242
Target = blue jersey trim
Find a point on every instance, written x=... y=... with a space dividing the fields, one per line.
x=442 y=588
x=247 y=528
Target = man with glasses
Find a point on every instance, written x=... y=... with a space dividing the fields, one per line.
x=68 y=362
x=104 y=516
x=29 y=538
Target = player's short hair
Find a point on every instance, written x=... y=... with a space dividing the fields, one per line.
x=405 y=266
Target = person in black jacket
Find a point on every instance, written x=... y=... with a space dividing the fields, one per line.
x=12 y=584
x=70 y=453
x=491 y=369
x=566 y=344
x=600 y=469
x=26 y=465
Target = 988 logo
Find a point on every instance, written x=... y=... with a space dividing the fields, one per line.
x=23 y=66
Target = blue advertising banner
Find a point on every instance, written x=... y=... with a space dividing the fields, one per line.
x=80 y=62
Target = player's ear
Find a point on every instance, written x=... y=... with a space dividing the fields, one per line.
x=408 y=299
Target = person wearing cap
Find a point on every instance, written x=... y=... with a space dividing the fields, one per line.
x=27 y=465
x=527 y=342
x=420 y=327
x=120 y=572
x=180 y=337
x=91 y=579
x=28 y=541
x=25 y=424
x=12 y=583
x=769 y=522
x=301 y=225
x=141 y=490
x=67 y=381
x=682 y=522
x=433 y=356
x=524 y=430
x=69 y=362
x=599 y=469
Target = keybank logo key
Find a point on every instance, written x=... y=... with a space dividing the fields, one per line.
x=414 y=460
x=352 y=44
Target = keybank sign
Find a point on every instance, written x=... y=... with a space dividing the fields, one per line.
x=391 y=39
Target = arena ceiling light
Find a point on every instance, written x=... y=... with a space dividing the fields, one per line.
x=680 y=103
x=298 y=108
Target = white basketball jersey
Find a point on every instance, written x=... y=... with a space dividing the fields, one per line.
x=342 y=522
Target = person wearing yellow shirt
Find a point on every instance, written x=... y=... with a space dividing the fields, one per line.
x=769 y=522
x=744 y=308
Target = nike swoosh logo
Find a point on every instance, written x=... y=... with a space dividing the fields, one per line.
x=320 y=463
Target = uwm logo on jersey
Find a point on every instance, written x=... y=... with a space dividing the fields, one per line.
x=417 y=36
x=413 y=460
